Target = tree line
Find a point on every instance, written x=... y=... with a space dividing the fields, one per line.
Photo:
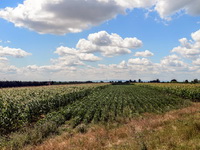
x=6 y=84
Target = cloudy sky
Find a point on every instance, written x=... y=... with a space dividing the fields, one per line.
x=67 y=40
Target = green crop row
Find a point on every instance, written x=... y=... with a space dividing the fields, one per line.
x=15 y=113
x=189 y=91
x=116 y=102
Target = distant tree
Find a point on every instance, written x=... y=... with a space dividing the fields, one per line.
x=173 y=81
x=134 y=81
x=196 y=81
x=186 y=81
x=139 y=80
x=157 y=80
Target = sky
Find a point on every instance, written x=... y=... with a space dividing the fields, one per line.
x=81 y=40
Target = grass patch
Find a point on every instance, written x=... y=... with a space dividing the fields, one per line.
x=177 y=130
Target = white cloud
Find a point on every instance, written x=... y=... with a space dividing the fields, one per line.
x=173 y=61
x=197 y=62
x=18 y=53
x=72 y=57
x=61 y=16
x=166 y=8
x=123 y=64
x=65 y=50
x=189 y=48
x=146 y=53
x=135 y=3
x=130 y=69
x=48 y=68
x=196 y=36
x=7 y=69
x=138 y=61
x=108 y=44
x=76 y=54
x=88 y=57
x=102 y=38
x=66 y=16
x=3 y=59
x=186 y=52
x=111 y=51
x=67 y=61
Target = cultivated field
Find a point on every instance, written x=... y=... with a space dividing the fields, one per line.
x=30 y=115
x=190 y=91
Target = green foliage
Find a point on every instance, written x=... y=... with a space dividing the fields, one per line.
x=189 y=91
x=33 y=104
x=119 y=101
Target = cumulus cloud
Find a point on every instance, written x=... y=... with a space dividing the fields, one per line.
x=108 y=44
x=189 y=48
x=66 y=52
x=166 y=8
x=48 y=68
x=185 y=52
x=72 y=57
x=196 y=37
x=121 y=66
x=135 y=3
x=61 y=16
x=146 y=53
x=14 y=52
x=172 y=61
x=127 y=69
x=88 y=57
x=67 y=61
x=197 y=62
x=66 y=16
x=6 y=68
x=3 y=59
x=138 y=61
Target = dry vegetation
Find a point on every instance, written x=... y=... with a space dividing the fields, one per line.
x=178 y=129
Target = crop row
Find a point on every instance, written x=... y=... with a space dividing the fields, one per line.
x=116 y=102
x=17 y=112
x=189 y=91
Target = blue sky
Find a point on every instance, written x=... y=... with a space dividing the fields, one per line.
x=66 y=40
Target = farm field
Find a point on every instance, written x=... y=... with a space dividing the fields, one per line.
x=28 y=116
x=20 y=106
x=190 y=91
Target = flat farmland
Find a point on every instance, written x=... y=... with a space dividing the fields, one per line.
x=28 y=116
x=190 y=91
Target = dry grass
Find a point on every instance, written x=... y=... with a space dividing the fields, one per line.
x=133 y=134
